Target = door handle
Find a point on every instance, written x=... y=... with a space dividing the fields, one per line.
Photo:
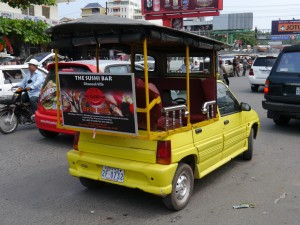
x=198 y=131
x=226 y=122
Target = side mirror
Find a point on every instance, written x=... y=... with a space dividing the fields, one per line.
x=245 y=106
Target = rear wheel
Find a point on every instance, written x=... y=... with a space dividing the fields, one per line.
x=247 y=155
x=281 y=120
x=8 y=122
x=48 y=134
x=90 y=184
x=182 y=188
x=254 y=88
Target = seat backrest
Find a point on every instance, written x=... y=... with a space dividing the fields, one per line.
x=155 y=112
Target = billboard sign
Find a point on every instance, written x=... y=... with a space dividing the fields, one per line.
x=158 y=7
x=104 y=102
x=285 y=27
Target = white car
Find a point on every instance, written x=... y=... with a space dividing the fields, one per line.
x=14 y=73
x=260 y=70
x=44 y=58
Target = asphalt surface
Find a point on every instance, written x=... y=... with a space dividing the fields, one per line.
x=35 y=187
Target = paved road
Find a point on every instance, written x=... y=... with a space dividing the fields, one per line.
x=35 y=187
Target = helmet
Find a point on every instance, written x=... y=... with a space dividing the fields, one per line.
x=33 y=62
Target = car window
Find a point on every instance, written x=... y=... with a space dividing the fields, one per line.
x=38 y=56
x=139 y=60
x=116 y=69
x=201 y=64
x=289 y=62
x=14 y=75
x=226 y=102
x=264 y=61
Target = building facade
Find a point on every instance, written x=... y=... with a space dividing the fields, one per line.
x=92 y=9
x=125 y=9
x=48 y=14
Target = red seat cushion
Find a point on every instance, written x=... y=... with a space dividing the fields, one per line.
x=155 y=112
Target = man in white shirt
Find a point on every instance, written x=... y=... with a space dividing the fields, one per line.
x=32 y=82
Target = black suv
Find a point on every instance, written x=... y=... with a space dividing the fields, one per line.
x=282 y=88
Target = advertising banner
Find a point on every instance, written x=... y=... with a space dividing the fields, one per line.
x=285 y=27
x=171 y=6
x=103 y=102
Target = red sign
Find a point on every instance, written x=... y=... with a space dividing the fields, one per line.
x=165 y=7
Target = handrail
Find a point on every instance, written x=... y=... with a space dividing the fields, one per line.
x=207 y=108
x=174 y=109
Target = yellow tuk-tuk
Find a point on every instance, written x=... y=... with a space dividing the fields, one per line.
x=157 y=128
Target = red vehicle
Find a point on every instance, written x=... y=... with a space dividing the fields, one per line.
x=46 y=114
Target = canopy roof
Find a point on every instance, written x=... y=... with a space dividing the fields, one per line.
x=105 y=29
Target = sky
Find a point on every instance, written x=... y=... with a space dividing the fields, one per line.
x=264 y=11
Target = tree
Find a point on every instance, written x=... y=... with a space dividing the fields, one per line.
x=29 y=31
x=26 y=3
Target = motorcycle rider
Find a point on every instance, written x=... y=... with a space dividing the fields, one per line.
x=32 y=82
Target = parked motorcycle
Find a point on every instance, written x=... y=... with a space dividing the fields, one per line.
x=15 y=112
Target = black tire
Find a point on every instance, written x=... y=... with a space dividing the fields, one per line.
x=254 y=88
x=90 y=184
x=182 y=188
x=48 y=134
x=281 y=120
x=8 y=123
x=247 y=155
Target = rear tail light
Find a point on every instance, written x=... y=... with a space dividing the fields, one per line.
x=251 y=73
x=266 y=88
x=163 y=155
x=76 y=140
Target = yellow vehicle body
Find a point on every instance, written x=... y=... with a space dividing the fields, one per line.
x=138 y=157
x=189 y=124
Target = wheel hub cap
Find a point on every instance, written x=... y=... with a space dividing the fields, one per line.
x=182 y=186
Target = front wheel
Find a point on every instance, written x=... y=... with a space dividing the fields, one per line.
x=48 y=134
x=182 y=188
x=8 y=122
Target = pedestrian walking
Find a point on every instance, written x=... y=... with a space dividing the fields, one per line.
x=223 y=73
x=234 y=65
x=245 y=65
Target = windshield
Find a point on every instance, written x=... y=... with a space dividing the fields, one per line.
x=38 y=56
x=265 y=61
x=289 y=63
x=5 y=59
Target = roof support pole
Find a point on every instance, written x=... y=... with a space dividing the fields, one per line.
x=132 y=61
x=97 y=56
x=146 y=84
x=187 y=63
x=58 y=103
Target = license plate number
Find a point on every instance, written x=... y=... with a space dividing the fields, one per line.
x=112 y=174
x=297 y=90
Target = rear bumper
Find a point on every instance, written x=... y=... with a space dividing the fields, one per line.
x=255 y=81
x=281 y=108
x=151 y=178
x=48 y=123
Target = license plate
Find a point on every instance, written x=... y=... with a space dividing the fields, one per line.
x=297 y=90
x=112 y=174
